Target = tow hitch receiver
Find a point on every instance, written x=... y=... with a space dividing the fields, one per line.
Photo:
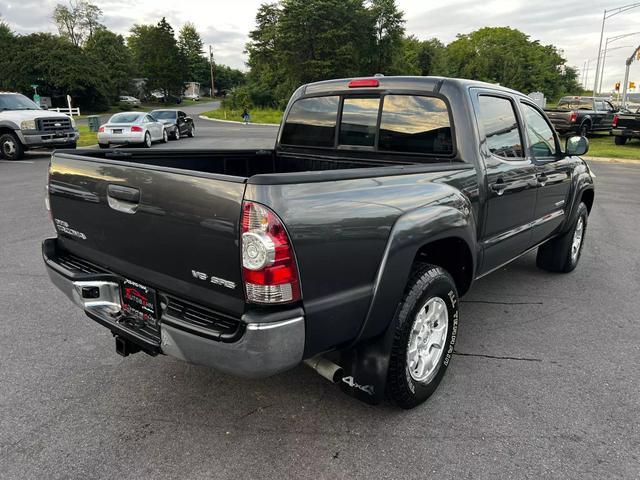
x=124 y=347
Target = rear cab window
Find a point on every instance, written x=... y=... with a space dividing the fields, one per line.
x=389 y=124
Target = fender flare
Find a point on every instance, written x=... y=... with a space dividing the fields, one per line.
x=9 y=124
x=366 y=361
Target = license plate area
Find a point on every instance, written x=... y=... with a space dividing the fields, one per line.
x=116 y=130
x=139 y=301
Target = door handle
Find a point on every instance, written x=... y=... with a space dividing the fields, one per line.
x=542 y=179
x=499 y=186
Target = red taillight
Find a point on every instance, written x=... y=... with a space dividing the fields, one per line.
x=268 y=263
x=136 y=129
x=615 y=121
x=364 y=82
x=101 y=130
x=574 y=116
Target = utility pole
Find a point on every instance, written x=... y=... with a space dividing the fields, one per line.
x=626 y=76
x=212 y=72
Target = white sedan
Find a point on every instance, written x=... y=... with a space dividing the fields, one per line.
x=129 y=128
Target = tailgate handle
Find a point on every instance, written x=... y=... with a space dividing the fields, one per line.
x=124 y=199
x=128 y=194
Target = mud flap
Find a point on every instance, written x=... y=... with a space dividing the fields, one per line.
x=365 y=368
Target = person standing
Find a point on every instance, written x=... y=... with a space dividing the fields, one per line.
x=245 y=116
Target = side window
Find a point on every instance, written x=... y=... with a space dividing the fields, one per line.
x=182 y=114
x=358 y=123
x=415 y=124
x=609 y=107
x=543 y=143
x=311 y=122
x=501 y=130
x=149 y=118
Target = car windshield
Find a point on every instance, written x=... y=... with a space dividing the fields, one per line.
x=163 y=114
x=575 y=105
x=125 y=118
x=15 y=101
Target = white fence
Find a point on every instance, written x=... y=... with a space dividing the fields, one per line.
x=68 y=111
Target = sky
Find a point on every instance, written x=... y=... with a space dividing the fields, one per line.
x=571 y=25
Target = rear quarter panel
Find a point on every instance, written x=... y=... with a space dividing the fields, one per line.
x=340 y=231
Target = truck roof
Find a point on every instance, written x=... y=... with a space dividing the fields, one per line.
x=402 y=83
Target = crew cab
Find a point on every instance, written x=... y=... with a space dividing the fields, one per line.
x=626 y=125
x=346 y=247
x=24 y=126
x=580 y=115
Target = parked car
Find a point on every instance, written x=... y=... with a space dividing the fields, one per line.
x=25 y=126
x=347 y=246
x=126 y=99
x=176 y=122
x=626 y=125
x=578 y=115
x=128 y=128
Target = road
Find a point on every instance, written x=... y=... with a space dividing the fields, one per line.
x=545 y=383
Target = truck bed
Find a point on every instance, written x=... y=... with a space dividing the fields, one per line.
x=236 y=163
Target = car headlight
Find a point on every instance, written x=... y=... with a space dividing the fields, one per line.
x=28 y=125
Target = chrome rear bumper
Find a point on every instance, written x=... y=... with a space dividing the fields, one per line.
x=267 y=345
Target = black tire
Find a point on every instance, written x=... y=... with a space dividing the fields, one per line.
x=192 y=132
x=10 y=147
x=558 y=255
x=165 y=136
x=103 y=145
x=147 y=140
x=585 y=129
x=176 y=134
x=620 y=140
x=427 y=282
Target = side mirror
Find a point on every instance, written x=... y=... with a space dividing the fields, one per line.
x=576 y=146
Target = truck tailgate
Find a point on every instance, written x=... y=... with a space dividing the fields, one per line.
x=176 y=231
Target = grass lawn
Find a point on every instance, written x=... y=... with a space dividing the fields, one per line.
x=258 y=115
x=86 y=137
x=602 y=145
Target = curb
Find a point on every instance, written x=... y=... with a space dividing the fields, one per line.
x=612 y=160
x=202 y=117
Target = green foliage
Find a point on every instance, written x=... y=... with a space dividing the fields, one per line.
x=58 y=66
x=157 y=58
x=507 y=56
x=388 y=30
x=111 y=60
x=423 y=57
x=191 y=48
x=227 y=78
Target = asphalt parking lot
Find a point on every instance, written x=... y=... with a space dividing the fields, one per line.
x=546 y=382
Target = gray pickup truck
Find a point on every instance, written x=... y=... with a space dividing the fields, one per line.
x=581 y=115
x=346 y=247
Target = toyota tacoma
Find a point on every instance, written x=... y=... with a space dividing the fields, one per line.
x=347 y=246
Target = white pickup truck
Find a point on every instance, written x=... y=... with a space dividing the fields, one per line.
x=24 y=125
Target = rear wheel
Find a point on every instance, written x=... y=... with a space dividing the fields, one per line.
x=585 y=129
x=620 y=140
x=147 y=140
x=426 y=326
x=563 y=253
x=192 y=131
x=10 y=147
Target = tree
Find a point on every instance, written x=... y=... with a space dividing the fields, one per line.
x=507 y=56
x=157 y=58
x=191 y=47
x=6 y=45
x=59 y=67
x=423 y=57
x=388 y=28
x=111 y=59
x=77 y=21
